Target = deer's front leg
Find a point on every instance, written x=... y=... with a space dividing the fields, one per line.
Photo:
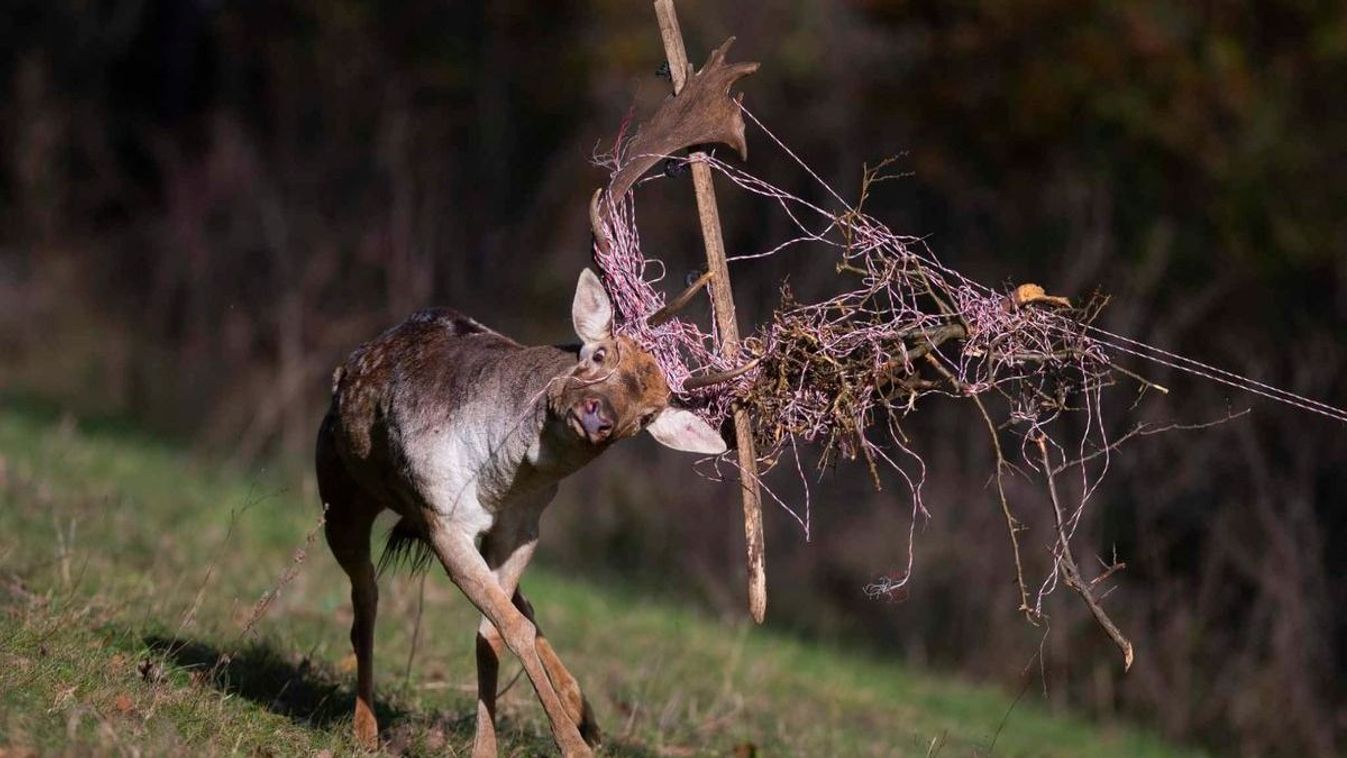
x=489 y=647
x=470 y=572
x=507 y=550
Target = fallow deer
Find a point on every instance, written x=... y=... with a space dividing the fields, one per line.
x=465 y=433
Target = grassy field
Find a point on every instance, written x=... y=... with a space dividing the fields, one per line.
x=130 y=580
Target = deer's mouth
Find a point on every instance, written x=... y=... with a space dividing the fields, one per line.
x=573 y=421
x=590 y=420
x=577 y=426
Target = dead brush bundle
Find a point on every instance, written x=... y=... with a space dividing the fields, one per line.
x=832 y=373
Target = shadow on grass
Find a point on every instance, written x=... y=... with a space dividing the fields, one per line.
x=310 y=697
x=266 y=677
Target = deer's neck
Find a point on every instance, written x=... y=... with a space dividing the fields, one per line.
x=530 y=447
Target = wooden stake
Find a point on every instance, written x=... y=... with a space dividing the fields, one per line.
x=722 y=306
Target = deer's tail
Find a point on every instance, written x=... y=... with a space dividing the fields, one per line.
x=406 y=547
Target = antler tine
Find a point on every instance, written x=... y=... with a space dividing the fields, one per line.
x=596 y=221
x=706 y=380
x=672 y=308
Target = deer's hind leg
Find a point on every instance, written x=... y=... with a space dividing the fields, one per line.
x=349 y=521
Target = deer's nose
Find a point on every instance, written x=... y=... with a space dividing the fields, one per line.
x=596 y=418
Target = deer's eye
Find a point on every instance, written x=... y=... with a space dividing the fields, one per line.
x=599 y=355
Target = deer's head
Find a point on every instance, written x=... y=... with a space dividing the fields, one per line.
x=616 y=389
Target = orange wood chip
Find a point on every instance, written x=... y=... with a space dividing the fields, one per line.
x=1027 y=294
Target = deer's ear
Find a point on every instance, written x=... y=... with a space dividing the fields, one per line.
x=683 y=430
x=592 y=311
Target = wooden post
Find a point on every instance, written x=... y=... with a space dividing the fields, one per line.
x=722 y=306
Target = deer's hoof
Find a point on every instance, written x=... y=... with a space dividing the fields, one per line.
x=366 y=727
x=589 y=727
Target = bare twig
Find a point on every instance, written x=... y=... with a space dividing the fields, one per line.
x=296 y=563
x=416 y=629
x=1070 y=572
x=1142 y=429
x=1013 y=527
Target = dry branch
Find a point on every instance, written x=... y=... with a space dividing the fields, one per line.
x=702 y=110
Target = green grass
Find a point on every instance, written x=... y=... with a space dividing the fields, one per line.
x=129 y=573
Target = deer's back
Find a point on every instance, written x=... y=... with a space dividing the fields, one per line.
x=411 y=376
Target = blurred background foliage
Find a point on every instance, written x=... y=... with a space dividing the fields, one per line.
x=204 y=204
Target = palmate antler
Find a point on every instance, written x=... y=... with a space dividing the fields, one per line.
x=703 y=112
